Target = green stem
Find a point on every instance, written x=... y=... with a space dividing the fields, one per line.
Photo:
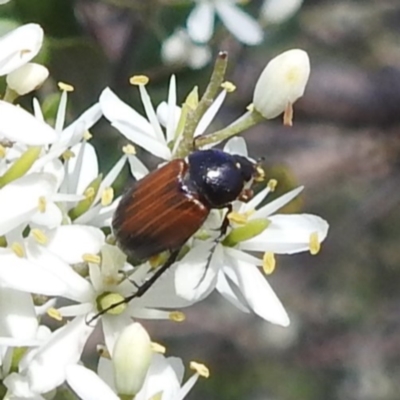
x=194 y=117
x=243 y=123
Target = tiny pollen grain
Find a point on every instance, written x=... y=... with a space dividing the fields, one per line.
x=228 y=86
x=67 y=155
x=139 y=80
x=158 y=348
x=42 y=204
x=237 y=218
x=314 y=243
x=269 y=263
x=201 y=369
x=65 y=87
x=272 y=184
x=177 y=316
x=39 y=236
x=55 y=314
x=87 y=135
x=107 y=196
x=91 y=258
x=18 y=249
x=129 y=149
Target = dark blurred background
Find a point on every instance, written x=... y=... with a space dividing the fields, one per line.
x=344 y=340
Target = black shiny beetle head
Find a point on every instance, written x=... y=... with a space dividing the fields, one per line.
x=220 y=178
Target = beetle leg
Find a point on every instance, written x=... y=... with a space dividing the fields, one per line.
x=225 y=223
x=142 y=289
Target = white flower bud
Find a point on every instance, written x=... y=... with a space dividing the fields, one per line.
x=27 y=78
x=131 y=359
x=278 y=11
x=281 y=83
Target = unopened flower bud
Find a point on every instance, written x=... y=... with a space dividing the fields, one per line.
x=281 y=83
x=131 y=359
x=27 y=78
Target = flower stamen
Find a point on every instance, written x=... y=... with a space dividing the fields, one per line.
x=237 y=218
x=158 y=348
x=314 y=243
x=269 y=263
x=54 y=313
x=91 y=258
x=137 y=80
x=201 y=369
x=18 y=249
x=228 y=86
x=129 y=149
x=107 y=196
x=272 y=184
x=288 y=115
x=65 y=87
x=177 y=316
x=39 y=236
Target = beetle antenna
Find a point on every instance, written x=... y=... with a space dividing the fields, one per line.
x=142 y=289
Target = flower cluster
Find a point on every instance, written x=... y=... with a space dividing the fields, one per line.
x=58 y=259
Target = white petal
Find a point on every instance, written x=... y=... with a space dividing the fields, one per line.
x=17 y=314
x=20 y=199
x=230 y=292
x=68 y=283
x=240 y=24
x=51 y=218
x=200 y=23
x=276 y=204
x=195 y=275
x=83 y=168
x=278 y=11
x=88 y=385
x=61 y=111
x=173 y=110
x=17 y=125
x=138 y=169
x=112 y=328
x=236 y=145
x=71 y=242
x=288 y=234
x=210 y=114
x=47 y=368
x=258 y=293
x=76 y=310
x=19 y=47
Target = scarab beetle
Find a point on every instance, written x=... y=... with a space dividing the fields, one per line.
x=164 y=209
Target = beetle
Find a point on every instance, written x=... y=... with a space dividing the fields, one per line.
x=165 y=208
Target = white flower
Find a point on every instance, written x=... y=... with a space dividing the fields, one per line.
x=163 y=380
x=178 y=49
x=19 y=47
x=42 y=369
x=278 y=11
x=27 y=78
x=281 y=83
x=227 y=267
x=200 y=23
x=148 y=133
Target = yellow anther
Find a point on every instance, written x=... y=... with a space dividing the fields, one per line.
x=177 y=316
x=139 y=80
x=237 y=218
x=107 y=196
x=158 y=348
x=260 y=175
x=39 y=236
x=272 y=184
x=89 y=193
x=288 y=115
x=65 y=87
x=67 y=155
x=18 y=249
x=201 y=369
x=228 y=86
x=42 y=204
x=269 y=263
x=87 y=135
x=129 y=149
x=92 y=258
x=157 y=396
x=158 y=259
x=103 y=352
x=315 y=244
x=55 y=314
x=2 y=151
x=250 y=107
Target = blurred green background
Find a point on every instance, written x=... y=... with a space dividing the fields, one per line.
x=344 y=341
